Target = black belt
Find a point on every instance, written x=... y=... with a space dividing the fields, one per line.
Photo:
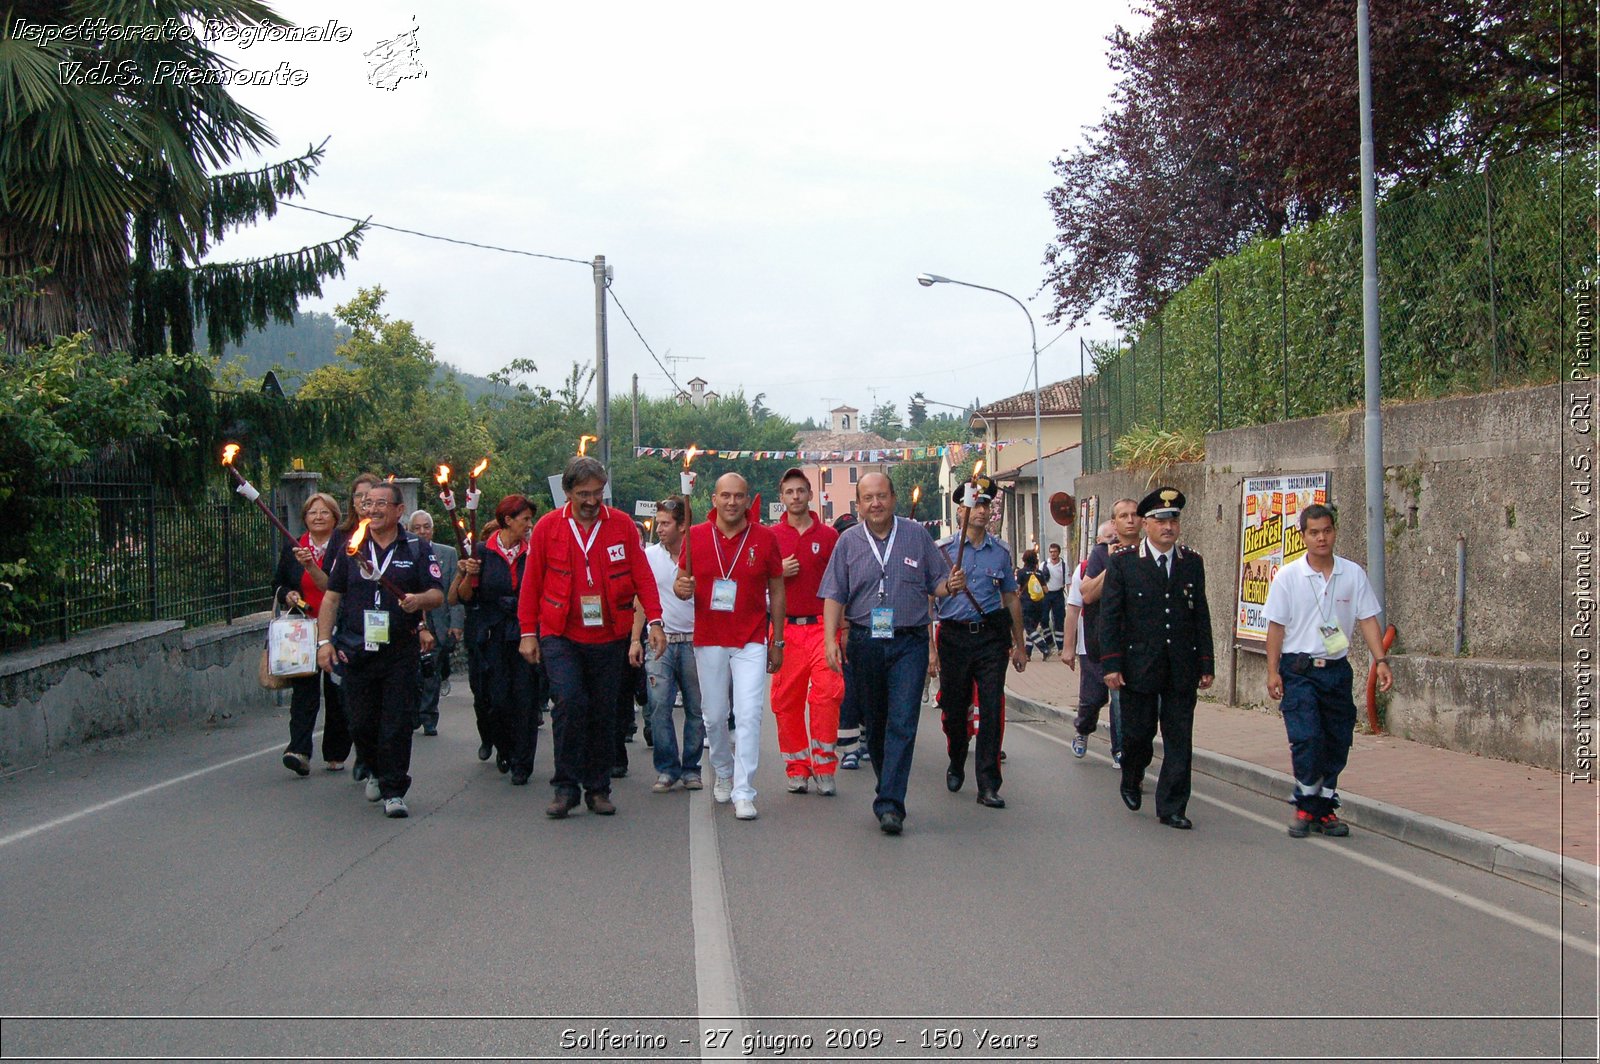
x=803 y=620
x=1000 y=620
x=1301 y=662
x=866 y=629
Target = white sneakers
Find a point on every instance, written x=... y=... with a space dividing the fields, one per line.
x=797 y=784
x=374 y=791
x=395 y=808
x=745 y=809
x=663 y=784
x=825 y=786
x=722 y=790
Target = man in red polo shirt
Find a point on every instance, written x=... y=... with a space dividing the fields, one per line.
x=575 y=607
x=734 y=574
x=805 y=544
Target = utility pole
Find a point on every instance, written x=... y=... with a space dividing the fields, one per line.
x=635 y=413
x=1372 y=423
x=602 y=373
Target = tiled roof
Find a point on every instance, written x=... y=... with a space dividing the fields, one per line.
x=1061 y=397
x=827 y=440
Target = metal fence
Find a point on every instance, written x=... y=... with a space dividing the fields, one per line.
x=1471 y=281
x=132 y=552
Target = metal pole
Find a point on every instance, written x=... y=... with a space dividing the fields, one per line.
x=1216 y=288
x=635 y=413
x=1373 y=422
x=602 y=373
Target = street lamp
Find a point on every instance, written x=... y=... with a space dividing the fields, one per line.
x=928 y=280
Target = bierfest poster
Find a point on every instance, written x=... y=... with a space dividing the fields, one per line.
x=1269 y=539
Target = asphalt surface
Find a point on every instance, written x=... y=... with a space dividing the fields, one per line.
x=184 y=896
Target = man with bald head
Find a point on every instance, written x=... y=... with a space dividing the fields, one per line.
x=733 y=572
x=879 y=579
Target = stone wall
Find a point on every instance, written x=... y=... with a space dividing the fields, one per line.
x=1486 y=468
x=125 y=679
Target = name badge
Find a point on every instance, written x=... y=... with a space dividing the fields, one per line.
x=593 y=615
x=723 y=592
x=883 y=622
x=1334 y=641
x=374 y=628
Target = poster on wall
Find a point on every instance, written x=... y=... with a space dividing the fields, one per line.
x=1269 y=539
x=1088 y=521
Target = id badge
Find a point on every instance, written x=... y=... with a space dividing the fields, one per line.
x=374 y=628
x=1334 y=641
x=722 y=594
x=593 y=616
x=883 y=622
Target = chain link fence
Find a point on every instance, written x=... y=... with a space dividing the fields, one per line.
x=1471 y=278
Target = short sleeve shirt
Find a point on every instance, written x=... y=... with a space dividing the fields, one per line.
x=677 y=616
x=1075 y=598
x=989 y=576
x=1301 y=600
x=407 y=562
x=912 y=570
x=749 y=559
x=812 y=549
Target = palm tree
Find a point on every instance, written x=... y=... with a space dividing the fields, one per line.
x=107 y=179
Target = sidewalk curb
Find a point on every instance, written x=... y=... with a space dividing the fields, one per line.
x=1492 y=853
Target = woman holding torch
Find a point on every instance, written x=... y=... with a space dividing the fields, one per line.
x=299 y=583
x=514 y=689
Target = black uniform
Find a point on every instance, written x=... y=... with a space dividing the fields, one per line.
x=1156 y=631
x=381 y=686
x=513 y=691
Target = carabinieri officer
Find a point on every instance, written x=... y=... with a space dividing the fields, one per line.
x=979 y=630
x=1155 y=644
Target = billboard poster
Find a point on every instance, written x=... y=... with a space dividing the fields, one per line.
x=1269 y=539
x=1088 y=521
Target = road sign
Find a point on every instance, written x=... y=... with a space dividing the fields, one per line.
x=644 y=508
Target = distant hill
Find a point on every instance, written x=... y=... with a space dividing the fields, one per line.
x=304 y=345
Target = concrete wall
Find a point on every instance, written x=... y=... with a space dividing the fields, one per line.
x=1487 y=467
x=124 y=679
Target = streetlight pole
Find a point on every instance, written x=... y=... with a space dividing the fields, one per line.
x=602 y=405
x=1372 y=423
x=929 y=279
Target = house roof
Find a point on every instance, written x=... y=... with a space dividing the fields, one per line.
x=828 y=440
x=1022 y=471
x=1061 y=397
x=844 y=410
x=698 y=380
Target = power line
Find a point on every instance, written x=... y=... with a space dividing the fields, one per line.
x=676 y=387
x=435 y=236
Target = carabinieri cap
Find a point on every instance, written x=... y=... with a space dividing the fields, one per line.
x=970 y=492
x=1163 y=502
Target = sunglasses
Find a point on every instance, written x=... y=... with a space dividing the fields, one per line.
x=671 y=506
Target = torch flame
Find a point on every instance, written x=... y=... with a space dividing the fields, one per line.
x=688 y=456
x=477 y=470
x=916 y=493
x=358 y=537
x=229 y=453
x=391 y=478
x=977 y=467
x=583 y=444
x=442 y=477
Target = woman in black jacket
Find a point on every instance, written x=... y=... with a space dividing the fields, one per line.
x=513 y=689
x=299 y=583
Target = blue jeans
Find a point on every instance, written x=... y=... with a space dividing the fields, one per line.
x=675 y=672
x=888 y=675
x=1319 y=715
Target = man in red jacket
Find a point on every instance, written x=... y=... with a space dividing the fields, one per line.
x=575 y=607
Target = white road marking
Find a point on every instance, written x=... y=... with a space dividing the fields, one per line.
x=100 y=807
x=716 y=972
x=1515 y=919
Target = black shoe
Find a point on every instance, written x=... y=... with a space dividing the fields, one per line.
x=954 y=778
x=519 y=779
x=1132 y=798
x=359 y=772
x=502 y=763
x=599 y=803
x=649 y=739
x=891 y=823
x=428 y=729
x=485 y=751
x=1179 y=821
x=991 y=799
x=619 y=771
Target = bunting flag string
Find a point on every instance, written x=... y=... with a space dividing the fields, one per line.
x=957 y=453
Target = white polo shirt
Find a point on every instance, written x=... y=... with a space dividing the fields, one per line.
x=1301 y=600
x=1075 y=598
x=677 y=616
x=1055 y=575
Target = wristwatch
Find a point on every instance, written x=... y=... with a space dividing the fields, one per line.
x=777 y=643
x=322 y=643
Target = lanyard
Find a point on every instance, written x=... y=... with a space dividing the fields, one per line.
x=379 y=570
x=716 y=545
x=883 y=558
x=1327 y=589
x=584 y=547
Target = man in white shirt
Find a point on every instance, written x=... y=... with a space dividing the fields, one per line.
x=1055 y=597
x=1076 y=648
x=1313 y=605
x=673 y=671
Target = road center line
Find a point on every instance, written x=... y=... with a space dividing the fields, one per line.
x=60 y=821
x=716 y=972
x=1488 y=908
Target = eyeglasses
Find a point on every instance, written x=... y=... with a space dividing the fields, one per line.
x=671 y=506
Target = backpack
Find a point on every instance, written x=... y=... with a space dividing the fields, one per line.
x=1035 y=586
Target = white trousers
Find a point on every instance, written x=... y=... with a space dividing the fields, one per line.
x=734 y=677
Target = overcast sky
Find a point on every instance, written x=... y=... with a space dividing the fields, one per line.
x=766 y=180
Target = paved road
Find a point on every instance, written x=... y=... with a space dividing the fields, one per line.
x=191 y=876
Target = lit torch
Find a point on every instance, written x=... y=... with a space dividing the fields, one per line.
x=473 y=494
x=916 y=496
x=448 y=498
x=583 y=444
x=353 y=548
x=686 y=484
x=977 y=467
x=248 y=490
